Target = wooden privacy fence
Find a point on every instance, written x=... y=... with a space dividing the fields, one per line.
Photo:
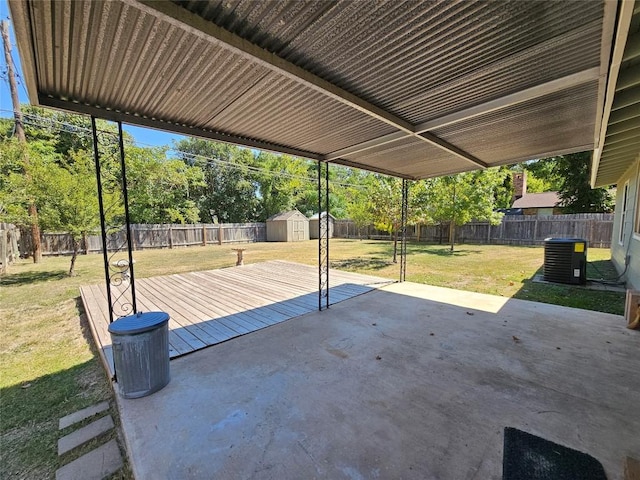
x=9 y=251
x=159 y=236
x=596 y=228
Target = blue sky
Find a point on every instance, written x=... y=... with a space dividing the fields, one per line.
x=143 y=136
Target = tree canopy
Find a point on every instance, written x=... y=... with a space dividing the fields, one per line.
x=458 y=199
x=197 y=180
x=576 y=194
x=569 y=176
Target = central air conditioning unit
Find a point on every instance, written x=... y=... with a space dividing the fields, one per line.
x=565 y=260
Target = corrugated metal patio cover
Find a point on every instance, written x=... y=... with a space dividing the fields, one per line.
x=414 y=88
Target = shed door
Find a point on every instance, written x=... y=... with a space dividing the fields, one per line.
x=298 y=230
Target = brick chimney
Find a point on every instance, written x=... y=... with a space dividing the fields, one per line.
x=519 y=185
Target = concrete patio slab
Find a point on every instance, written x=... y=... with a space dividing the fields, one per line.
x=408 y=381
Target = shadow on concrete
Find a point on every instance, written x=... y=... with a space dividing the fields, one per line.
x=206 y=333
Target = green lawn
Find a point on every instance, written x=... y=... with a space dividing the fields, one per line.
x=48 y=367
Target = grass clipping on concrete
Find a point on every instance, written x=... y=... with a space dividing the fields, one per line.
x=49 y=368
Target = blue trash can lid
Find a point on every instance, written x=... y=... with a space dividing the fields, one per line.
x=138 y=323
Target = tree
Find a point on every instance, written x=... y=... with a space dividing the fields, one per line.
x=542 y=175
x=503 y=192
x=229 y=188
x=576 y=194
x=420 y=212
x=63 y=189
x=538 y=185
x=569 y=176
x=386 y=207
x=281 y=181
x=19 y=132
x=458 y=199
x=160 y=189
x=14 y=195
x=360 y=207
x=307 y=198
x=68 y=197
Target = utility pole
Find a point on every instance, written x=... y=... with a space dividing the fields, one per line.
x=36 y=249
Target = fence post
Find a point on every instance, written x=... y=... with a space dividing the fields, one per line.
x=3 y=251
x=219 y=234
x=535 y=230
x=170 y=237
x=204 y=234
x=15 y=251
x=135 y=237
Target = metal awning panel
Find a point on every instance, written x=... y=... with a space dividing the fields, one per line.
x=306 y=118
x=409 y=53
x=337 y=81
x=554 y=59
x=407 y=155
x=548 y=124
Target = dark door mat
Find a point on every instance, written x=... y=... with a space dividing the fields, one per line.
x=528 y=457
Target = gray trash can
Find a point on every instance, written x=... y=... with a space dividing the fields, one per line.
x=141 y=353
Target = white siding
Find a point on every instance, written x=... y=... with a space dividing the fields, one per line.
x=627 y=227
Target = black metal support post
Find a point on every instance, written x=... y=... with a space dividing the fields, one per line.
x=323 y=237
x=103 y=225
x=125 y=196
x=119 y=275
x=403 y=227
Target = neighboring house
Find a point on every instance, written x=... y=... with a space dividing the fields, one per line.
x=539 y=204
x=617 y=158
x=291 y=226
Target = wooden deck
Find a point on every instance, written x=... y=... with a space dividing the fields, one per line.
x=213 y=306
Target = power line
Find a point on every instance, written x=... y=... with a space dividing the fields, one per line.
x=60 y=126
x=18 y=76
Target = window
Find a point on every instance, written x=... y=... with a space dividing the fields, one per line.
x=623 y=216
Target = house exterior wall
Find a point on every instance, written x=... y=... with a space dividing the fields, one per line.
x=630 y=226
x=542 y=212
x=545 y=212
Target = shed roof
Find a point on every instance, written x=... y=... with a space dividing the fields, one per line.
x=315 y=216
x=286 y=215
x=619 y=136
x=410 y=88
x=537 y=200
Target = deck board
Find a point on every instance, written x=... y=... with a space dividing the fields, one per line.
x=210 y=307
